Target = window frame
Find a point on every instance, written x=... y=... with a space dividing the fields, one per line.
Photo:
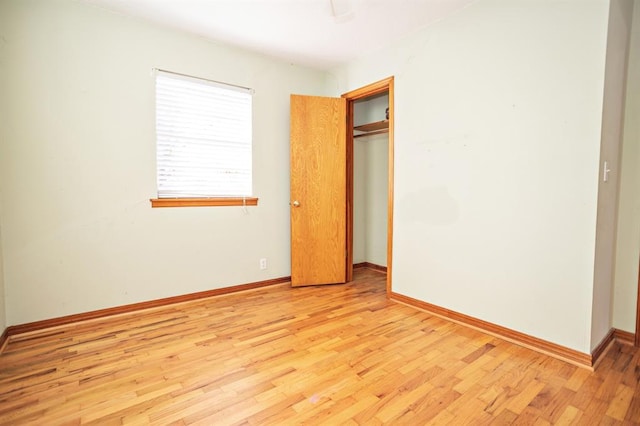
x=204 y=202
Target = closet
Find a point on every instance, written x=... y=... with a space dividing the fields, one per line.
x=370 y=180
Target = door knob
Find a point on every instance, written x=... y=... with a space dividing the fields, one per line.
x=296 y=203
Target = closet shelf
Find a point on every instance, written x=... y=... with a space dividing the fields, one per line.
x=372 y=128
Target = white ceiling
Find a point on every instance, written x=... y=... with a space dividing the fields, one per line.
x=316 y=33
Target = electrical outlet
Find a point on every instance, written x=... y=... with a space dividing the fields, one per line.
x=263 y=263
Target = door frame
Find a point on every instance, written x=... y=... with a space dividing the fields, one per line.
x=385 y=85
x=636 y=340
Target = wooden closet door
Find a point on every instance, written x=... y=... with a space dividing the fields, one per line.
x=318 y=190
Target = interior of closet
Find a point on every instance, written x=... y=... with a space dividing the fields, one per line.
x=370 y=179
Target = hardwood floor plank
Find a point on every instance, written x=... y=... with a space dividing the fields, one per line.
x=586 y=394
x=633 y=412
x=620 y=403
x=278 y=406
x=339 y=354
x=570 y=415
x=551 y=405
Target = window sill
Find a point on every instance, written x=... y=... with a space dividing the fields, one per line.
x=203 y=202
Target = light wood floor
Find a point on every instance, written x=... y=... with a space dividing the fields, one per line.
x=321 y=355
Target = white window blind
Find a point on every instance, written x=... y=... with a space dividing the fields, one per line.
x=203 y=132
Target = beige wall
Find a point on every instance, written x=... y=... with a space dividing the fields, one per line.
x=360 y=148
x=376 y=198
x=3 y=315
x=497 y=141
x=371 y=159
x=620 y=12
x=628 y=234
x=497 y=155
x=3 y=115
x=77 y=164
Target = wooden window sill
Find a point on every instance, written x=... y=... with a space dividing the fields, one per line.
x=203 y=202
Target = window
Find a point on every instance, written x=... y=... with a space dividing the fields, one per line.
x=203 y=137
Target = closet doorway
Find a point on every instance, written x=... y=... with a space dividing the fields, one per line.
x=370 y=177
x=322 y=183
